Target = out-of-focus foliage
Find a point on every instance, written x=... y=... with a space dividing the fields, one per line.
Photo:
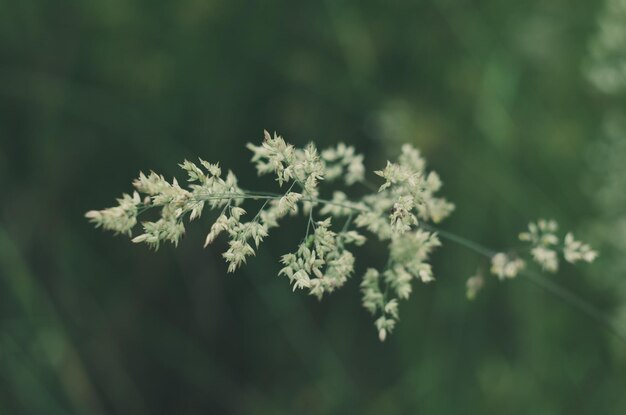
x=606 y=181
x=495 y=95
x=607 y=55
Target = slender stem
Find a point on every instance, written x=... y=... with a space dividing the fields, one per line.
x=261 y=210
x=347 y=224
x=226 y=206
x=486 y=252
x=575 y=301
x=268 y=195
x=308 y=224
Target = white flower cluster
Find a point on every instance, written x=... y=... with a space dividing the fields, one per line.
x=409 y=252
x=505 y=266
x=408 y=195
x=413 y=191
x=288 y=163
x=119 y=219
x=546 y=244
x=575 y=251
x=322 y=264
x=398 y=215
x=342 y=161
x=473 y=285
x=405 y=201
x=542 y=236
x=374 y=300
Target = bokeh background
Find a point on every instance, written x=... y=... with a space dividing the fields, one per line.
x=518 y=105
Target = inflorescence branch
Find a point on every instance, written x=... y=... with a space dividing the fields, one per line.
x=401 y=213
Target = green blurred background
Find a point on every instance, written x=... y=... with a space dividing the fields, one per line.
x=494 y=94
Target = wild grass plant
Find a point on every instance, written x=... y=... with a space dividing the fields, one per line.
x=401 y=214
